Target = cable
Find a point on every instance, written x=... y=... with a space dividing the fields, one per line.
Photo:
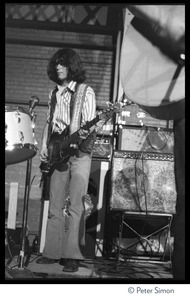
x=146 y=208
x=124 y=268
x=136 y=185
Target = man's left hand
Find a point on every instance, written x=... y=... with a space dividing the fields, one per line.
x=83 y=133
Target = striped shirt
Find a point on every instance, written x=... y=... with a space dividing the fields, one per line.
x=61 y=117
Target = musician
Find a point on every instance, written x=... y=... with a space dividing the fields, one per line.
x=168 y=22
x=72 y=103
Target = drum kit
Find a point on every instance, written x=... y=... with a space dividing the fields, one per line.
x=20 y=146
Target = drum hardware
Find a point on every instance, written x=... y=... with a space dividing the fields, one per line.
x=17 y=116
x=21 y=136
x=25 y=213
x=21 y=271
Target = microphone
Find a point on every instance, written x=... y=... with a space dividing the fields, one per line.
x=34 y=100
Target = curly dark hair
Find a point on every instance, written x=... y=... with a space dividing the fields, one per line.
x=70 y=59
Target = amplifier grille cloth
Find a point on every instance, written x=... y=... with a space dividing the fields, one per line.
x=143 y=185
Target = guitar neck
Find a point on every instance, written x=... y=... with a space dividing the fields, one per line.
x=89 y=124
x=74 y=137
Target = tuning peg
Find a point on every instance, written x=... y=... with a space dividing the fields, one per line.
x=109 y=104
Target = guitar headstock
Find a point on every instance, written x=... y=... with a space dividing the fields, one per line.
x=116 y=107
x=112 y=108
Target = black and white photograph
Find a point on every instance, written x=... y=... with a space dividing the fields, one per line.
x=95 y=145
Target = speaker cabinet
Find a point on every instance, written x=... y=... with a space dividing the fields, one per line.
x=143 y=182
x=146 y=139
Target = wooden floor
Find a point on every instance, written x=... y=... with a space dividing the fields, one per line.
x=90 y=269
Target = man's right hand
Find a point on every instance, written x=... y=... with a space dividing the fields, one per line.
x=44 y=154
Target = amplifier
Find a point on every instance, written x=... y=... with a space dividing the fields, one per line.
x=132 y=114
x=102 y=147
x=143 y=182
x=146 y=139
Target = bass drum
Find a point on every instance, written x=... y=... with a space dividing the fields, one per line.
x=19 y=135
x=150 y=76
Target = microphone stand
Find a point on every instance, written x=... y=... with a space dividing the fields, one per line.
x=23 y=272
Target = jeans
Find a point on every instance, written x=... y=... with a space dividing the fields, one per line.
x=68 y=240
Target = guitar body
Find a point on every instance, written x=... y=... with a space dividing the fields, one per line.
x=55 y=152
x=149 y=76
x=58 y=153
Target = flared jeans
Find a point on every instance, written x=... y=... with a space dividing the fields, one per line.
x=65 y=233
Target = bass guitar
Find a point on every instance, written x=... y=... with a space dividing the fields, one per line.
x=59 y=146
x=151 y=74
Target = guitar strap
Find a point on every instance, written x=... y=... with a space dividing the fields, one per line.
x=87 y=144
x=73 y=101
x=52 y=109
x=76 y=107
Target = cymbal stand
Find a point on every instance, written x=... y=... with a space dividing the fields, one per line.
x=34 y=100
x=25 y=213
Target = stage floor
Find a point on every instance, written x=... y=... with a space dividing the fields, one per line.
x=90 y=269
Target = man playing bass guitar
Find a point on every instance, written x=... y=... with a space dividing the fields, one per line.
x=72 y=103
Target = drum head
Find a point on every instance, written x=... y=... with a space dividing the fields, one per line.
x=149 y=77
x=12 y=108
